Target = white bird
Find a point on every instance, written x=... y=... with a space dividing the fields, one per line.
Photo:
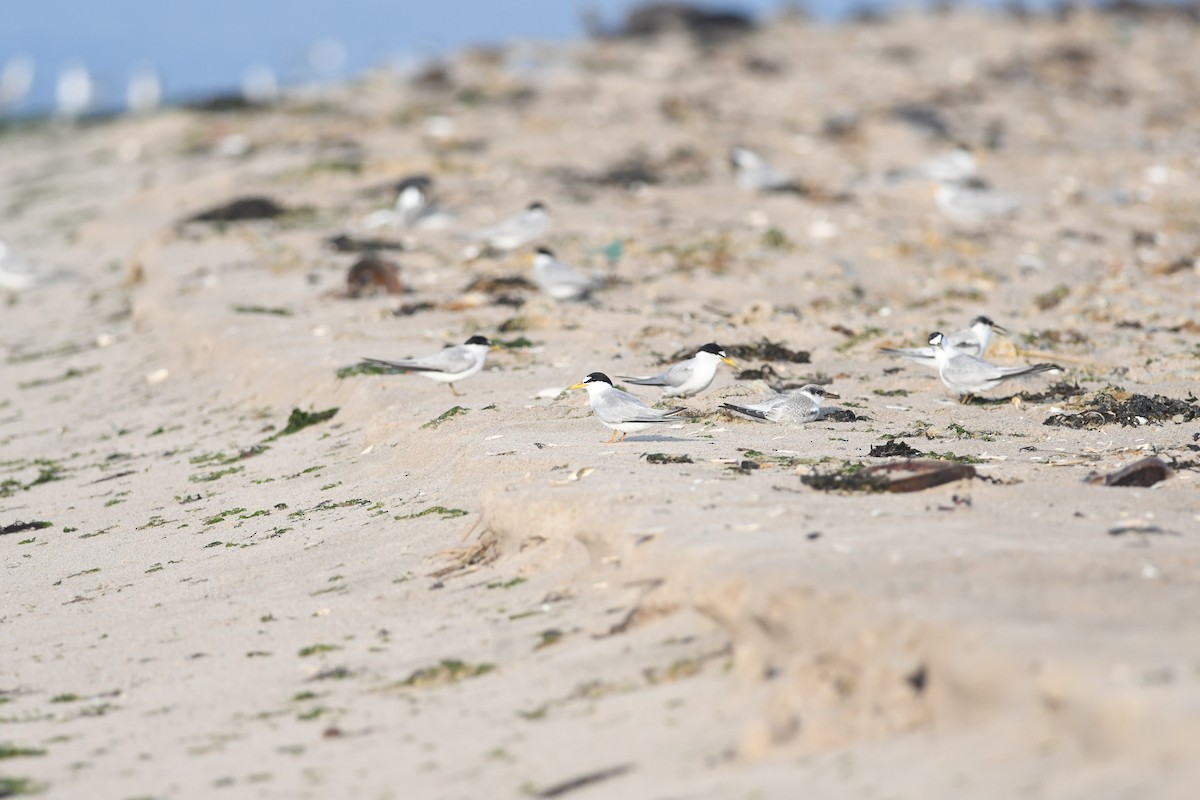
x=509 y=234
x=413 y=208
x=972 y=340
x=16 y=80
x=973 y=203
x=955 y=166
x=968 y=375
x=17 y=274
x=74 y=92
x=755 y=174
x=559 y=279
x=144 y=92
x=260 y=86
x=452 y=364
x=789 y=408
x=688 y=377
x=619 y=410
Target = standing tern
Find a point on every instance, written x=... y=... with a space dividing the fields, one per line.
x=619 y=410
x=689 y=377
x=452 y=364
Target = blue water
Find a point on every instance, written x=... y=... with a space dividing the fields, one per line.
x=204 y=48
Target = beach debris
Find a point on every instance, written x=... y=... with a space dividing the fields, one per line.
x=450 y=670
x=372 y=275
x=1114 y=404
x=665 y=458
x=583 y=781
x=572 y=477
x=441 y=511
x=895 y=448
x=1144 y=530
x=241 y=210
x=705 y=26
x=21 y=527
x=501 y=285
x=454 y=411
x=344 y=243
x=299 y=420
x=1143 y=472
x=764 y=350
x=910 y=475
x=275 y=311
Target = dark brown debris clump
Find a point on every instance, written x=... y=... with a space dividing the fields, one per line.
x=344 y=243
x=1143 y=472
x=764 y=350
x=894 y=448
x=241 y=210
x=373 y=275
x=910 y=475
x=665 y=458
x=1116 y=405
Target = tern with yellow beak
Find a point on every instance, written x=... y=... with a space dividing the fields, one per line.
x=619 y=410
x=452 y=364
x=688 y=378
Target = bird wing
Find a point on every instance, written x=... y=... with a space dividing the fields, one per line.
x=965 y=341
x=648 y=380
x=617 y=406
x=681 y=373
x=749 y=411
x=913 y=353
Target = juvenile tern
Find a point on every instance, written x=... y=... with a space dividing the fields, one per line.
x=972 y=340
x=789 y=408
x=967 y=375
x=755 y=174
x=509 y=234
x=619 y=410
x=558 y=279
x=452 y=364
x=689 y=377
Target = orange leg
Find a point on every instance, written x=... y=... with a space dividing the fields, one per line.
x=614 y=436
x=623 y=435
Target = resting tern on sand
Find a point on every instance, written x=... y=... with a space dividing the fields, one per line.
x=972 y=203
x=452 y=364
x=619 y=410
x=509 y=234
x=689 y=377
x=972 y=340
x=967 y=375
x=788 y=408
x=755 y=174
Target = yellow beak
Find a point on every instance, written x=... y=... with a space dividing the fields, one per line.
x=579 y=385
x=729 y=361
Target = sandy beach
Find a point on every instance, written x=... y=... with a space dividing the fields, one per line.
x=439 y=596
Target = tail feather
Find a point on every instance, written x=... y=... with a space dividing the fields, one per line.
x=396 y=365
x=749 y=412
x=652 y=380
